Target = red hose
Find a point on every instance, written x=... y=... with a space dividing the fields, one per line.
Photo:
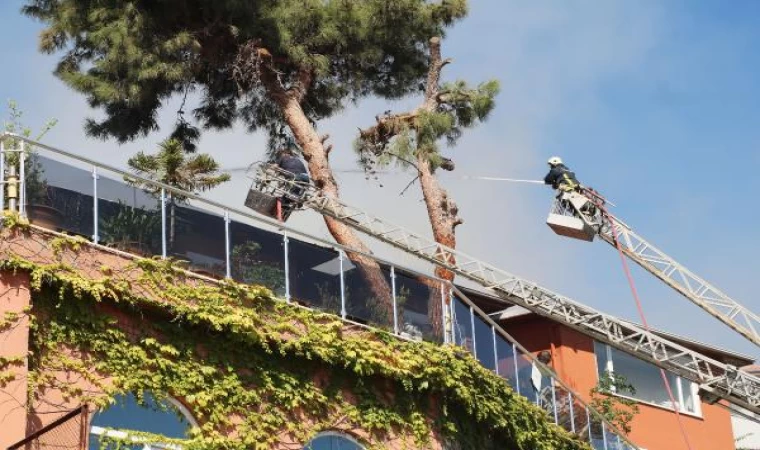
x=635 y=294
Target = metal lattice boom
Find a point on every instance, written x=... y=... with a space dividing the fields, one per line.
x=697 y=290
x=715 y=378
x=675 y=275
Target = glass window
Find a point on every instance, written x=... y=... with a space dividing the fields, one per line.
x=419 y=306
x=331 y=441
x=484 y=350
x=257 y=256
x=646 y=379
x=505 y=365
x=163 y=417
x=462 y=322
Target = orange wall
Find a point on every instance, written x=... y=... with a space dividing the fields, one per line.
x=653 y=428
x=14 y=343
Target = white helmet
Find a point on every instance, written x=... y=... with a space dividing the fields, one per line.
x=554 y=160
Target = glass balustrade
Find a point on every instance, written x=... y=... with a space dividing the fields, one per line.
x=256 y=256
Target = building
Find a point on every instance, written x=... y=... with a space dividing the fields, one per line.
x=579 y=361
x=195 y=363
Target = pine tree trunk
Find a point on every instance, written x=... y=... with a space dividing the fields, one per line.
x=442 y=213
x=321 y=174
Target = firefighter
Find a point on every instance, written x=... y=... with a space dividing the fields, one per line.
x=292 y=168
x=560 y=177
x=289 y=162
x=563 y=180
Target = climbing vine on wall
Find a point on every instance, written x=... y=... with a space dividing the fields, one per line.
x=256 y=371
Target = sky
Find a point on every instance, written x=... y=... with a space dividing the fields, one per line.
x=654 y=104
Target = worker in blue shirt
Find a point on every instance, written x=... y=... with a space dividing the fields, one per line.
x=292 y=168
x=289 y=162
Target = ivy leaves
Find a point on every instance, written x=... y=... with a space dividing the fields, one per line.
x=242 y=360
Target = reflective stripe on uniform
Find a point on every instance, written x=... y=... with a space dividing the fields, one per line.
x=567 y=183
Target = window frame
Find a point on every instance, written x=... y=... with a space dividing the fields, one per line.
x=339 y=434
x=97 y=430
x=678 y=388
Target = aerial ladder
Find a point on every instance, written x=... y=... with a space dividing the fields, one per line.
x=716 y=380
x=583 y=215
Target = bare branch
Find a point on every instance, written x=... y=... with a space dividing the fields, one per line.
x=409 y=185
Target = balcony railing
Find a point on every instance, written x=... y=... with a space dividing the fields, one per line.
x=64 y=192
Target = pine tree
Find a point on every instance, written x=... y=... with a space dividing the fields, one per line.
x=172 y=166
x=280 y=66
x=411 y=140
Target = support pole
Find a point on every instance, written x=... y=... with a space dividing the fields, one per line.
x=343 y=311
x=228 y=268
x=2 y=176
x=95 y=212
x=22 y=180
x=495 y=353
x=395 y=300
x=163 y=223
x=287 y=266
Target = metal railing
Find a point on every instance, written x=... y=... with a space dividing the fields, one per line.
x=76 y=195
x=67 y=432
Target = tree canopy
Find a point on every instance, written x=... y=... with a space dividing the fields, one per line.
x=129 y=57
x=276 y=65
x=172 y=166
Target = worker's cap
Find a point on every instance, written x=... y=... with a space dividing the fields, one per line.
x=554 y=160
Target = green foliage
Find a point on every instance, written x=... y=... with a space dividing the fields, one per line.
x=401 y=138
x=13 y=220
x=266 y=380
x=619 y=411
x=249 y=269
x=36 y=184
x=130 y=57
x=131 y=228
x=172 y=166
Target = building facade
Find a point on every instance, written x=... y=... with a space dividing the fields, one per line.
x=580 y=361
x=164 y=358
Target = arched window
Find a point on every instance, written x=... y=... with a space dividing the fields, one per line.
x=165 y=417
x=332 y=441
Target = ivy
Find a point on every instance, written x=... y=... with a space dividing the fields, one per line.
x=242 y=360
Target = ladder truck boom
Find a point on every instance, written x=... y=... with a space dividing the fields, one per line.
x=715 y=379
x=584 y=215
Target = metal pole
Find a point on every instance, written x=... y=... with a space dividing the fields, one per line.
x=495 y=353
x=395 y=300
x=554 y=401
x=453 y=317
x=474 y=339
x=228 y=272
x=604 y=435
x=163 y=223
x=444 y=317
x=342 y=286
x=95 y=213
x=12 y=188
x=517 y=373
x=287 y=266
x=2 y=176
x=572 y=411
x=22 y=178
x=588 y=421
